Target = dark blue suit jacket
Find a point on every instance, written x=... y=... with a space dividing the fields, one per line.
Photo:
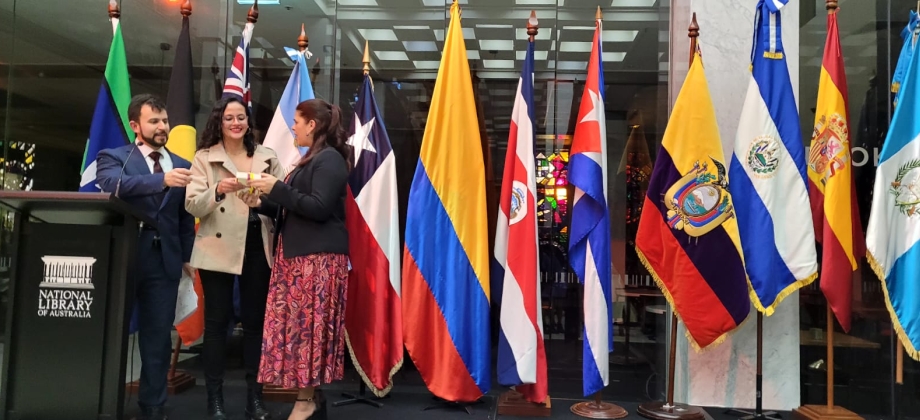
x=140 y=189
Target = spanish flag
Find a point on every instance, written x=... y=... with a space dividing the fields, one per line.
x=446 y=256
x=180 y=105
x=688 y=235
x=830 y=178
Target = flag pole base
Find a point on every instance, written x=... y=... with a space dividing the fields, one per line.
x=512 y=403
x=659 y=410
x=177 y=384
x=823 y=412
x=358 y=398
x=454 y=405
x=753 y=415
x=598 y=410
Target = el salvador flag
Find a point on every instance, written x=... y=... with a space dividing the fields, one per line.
x=769 y=183
x=280 y=137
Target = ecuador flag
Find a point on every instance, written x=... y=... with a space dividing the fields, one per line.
x=688 y=235
x=831 y=187
x=446 y=256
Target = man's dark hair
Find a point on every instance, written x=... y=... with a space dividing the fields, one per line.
x=138 y=102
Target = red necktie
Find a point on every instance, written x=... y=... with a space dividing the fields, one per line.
x=157 y=169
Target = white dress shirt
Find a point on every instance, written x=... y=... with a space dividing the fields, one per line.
x=165 y=160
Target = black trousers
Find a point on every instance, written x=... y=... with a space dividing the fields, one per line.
x=218 y=308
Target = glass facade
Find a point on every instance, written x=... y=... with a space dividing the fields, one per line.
x=53 y=56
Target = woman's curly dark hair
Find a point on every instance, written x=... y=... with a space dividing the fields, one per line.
x=213 y=132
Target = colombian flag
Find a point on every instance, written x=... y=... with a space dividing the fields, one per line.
x=831 y=187
x=446 y=256
x=688 y=235
x=180 y=105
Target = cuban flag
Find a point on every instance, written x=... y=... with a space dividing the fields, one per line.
x=373 y=316
x=237 y=83
x=521 y=355
x=280 y=135
x=768 y=173
x=589 y=237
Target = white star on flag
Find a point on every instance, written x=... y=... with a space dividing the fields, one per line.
x=360 y=140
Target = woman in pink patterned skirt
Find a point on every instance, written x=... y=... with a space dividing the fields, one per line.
x=304 y=338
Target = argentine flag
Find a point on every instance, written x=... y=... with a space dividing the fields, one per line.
x=280 y=137
x=894 y=225
x=769 y=182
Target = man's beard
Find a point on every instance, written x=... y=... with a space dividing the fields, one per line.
x=153 y=142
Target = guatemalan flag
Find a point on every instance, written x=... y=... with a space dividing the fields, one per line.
x=237 y=83
x=893 y=235
x=373 y=316
x=589 y=238
x=768 y=173
x=521 y=355
x=280 y=136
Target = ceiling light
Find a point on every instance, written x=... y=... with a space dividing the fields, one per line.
x=537 y=55
x=261 y=2
x=496 y=45
x=578 y=28
x=498 y=64
x=427 y=65
x=535 y=2
x=410 y=27
x=493 y=26
x=572 y=65
x=357 y=2
x=420 y=46
x=472 y=54
x=613 y=56
x=619 y=36
x=437 y=3
x=378 y=34
x=575 y=46
x=392 y=55
x=632 y=3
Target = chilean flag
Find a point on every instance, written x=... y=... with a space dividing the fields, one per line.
x=373 y=316
x=589 y=237
x=521 y=355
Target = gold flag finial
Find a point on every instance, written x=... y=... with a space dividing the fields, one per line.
x=599 y=15
x=114 y=10
x=831 y=6
x=367 y=58
x=533 y=25
x=302 y=41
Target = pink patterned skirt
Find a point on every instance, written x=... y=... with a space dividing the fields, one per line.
x=303 y=342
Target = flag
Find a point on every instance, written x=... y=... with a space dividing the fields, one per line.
x=768 y=174
x=180 y=105
x=280 y=136
x=589 y=237
x=109 y=127
x=180 y=100
x=373 y=316
x=521 y=355
x=831 y=185
x=893 y=235
x=237 y=83
x=907 y=49
x=688 y=236
x=446 y=257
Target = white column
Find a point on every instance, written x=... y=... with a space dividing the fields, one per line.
x=724 y=376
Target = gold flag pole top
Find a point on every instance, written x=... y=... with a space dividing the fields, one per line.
x=303 y=41
x=186 y=8
x=599 y=14
x=114 y=10
x=253 y=15
x=367 y=58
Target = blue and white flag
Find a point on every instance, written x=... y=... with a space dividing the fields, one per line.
x=280 y=135
x=907 y=50
x=893 y=236
x=769 y=181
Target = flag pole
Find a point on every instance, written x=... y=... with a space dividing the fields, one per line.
x=598 y=409
x=829 y=410
x=657 y=410
x=512 y=402
x=362 y=387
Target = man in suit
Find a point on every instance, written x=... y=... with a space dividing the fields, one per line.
x=152 y=179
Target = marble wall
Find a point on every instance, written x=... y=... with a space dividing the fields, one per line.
x=724 y=376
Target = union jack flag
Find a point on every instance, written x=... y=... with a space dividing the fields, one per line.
x=237 y=83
